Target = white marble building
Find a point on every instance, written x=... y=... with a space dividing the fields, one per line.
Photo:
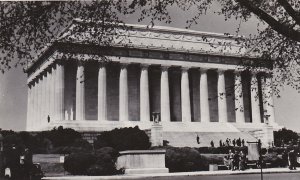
x=192 y=78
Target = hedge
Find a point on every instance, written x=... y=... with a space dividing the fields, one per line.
x=123 y=139
x=185 y=159
x=100 y=162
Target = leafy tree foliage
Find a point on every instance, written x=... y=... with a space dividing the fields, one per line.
x=278 y=34
x=286 y=136
x=27 y=27
x=123 y=139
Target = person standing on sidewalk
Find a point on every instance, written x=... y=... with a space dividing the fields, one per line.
x=242 y=164
x=230 y=156
x=292 y=160
x=236 y=160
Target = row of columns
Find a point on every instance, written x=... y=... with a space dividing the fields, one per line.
x=165 y=96
x=46 y=96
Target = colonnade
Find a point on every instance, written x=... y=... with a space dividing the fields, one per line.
x=46 y=96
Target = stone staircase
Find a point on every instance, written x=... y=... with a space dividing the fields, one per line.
x=182 y=139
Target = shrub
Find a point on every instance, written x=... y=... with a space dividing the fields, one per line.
x=274 y=159
x=214 y=158
x=61 y=136
x=123 y=139
x=58 y=140
x=82 y=144
x=102 y=162
x=78 y=163
x=184 y=160
x=278 y=150
x=285 y=136
x=105 y=162
x=263 y=151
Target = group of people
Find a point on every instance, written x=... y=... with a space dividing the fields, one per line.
x=228 y=142
x=17 y=163
x=235 y=160
x=235 y=142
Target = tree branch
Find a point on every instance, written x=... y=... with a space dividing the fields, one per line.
x=289 y=9
x=282 y=29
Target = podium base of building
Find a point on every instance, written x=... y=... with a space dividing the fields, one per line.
x=146 y=171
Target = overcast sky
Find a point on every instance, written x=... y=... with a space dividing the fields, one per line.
x=13 y=88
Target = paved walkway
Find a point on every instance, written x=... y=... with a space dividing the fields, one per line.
x=198 y=173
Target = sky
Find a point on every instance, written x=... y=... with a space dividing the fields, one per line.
x=13 y=88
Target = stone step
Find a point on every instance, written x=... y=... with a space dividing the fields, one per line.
x=182 y=139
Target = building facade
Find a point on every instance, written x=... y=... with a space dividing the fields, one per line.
x=193 y=79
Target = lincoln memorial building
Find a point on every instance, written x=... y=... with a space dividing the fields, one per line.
x=193 y=79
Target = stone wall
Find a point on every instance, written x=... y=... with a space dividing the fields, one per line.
x=194 y=80
x=134 y=92
x=246 y=96
x=229 y=86
x=142 y=161
x=91 y=91
x=212 y=82
x=113 y=73
x=70 y=89
x=175 y=93
x=154 y=88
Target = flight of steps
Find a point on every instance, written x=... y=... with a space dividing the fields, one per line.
x=182 y=139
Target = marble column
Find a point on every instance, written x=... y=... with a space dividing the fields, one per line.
x=48 y=85
x=269 y=112
x=255 y=99
x=102 y=111
x=123 y=94
x=44 y=100
x=29 y=107
x=238 y=98
x=54 y=116
x=185 y=96
x=165 y=95
x=204 y=105
x=222 y=104
x=80 y=95
x=51 y=93
x=60 y=86
x=41 y=100
x=40 y=96
x=144 y=94
x=34 y=102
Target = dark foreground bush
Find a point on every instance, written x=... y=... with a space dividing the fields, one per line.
x=274 y=160
x=105 y=162
x=78 y=163
x=79 y=145
x=214 y=158
x=278 y=150
x=185 y=159
x=102 y=162
x=123 y=139
x=60 y=136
